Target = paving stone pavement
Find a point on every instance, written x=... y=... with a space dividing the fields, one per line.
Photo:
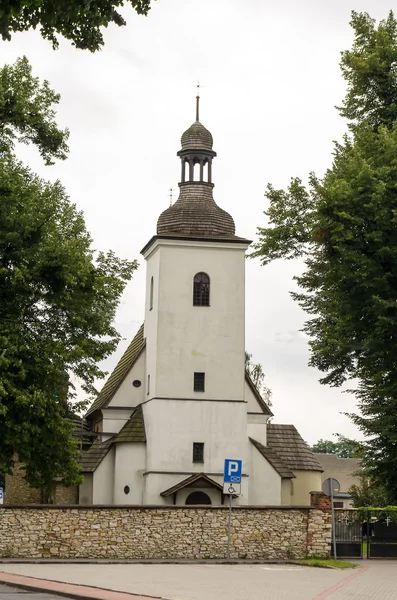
x=372 y=580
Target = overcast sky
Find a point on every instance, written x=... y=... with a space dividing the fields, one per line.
x=270 y=80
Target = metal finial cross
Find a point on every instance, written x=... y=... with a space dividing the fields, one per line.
x=197 y=100
x=171 y=192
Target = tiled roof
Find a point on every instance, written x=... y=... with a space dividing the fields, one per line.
x=257 y=395
x=291 y=448
x=119 y=373
x=197 y=137
x=134 y=429
x=196 y=480
x=92 y=458
x=195 y=213
x=272 y=457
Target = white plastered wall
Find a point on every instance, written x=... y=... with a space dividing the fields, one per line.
x=171 y=428
x=85 y=489
x=305 y=482
x=187 y=338
x=114 y=419
x=127 y=395
x=103 y=480
x=151 y=323
x=130 y=459
x=264 y=481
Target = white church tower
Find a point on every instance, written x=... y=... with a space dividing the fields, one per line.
x=195 y=415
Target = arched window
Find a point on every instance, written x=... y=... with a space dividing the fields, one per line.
x=201 y=290
x=198 y=498
x=151 y=293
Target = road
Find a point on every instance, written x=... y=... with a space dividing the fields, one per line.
x=372 y=580
x=11 y=593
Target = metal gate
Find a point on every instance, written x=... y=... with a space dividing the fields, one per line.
x=371 y=533
x=348 y=533
x=380 y=527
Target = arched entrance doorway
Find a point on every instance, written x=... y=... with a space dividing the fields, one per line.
x=198 y=498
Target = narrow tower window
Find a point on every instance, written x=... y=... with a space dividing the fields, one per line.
x=148 y=385
x=201 y=290
x=198 y=452
x=151 y=294
x=199 y=382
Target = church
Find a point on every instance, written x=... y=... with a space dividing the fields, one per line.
x=180 y=401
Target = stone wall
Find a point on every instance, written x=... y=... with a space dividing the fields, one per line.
x=17 y=491
x=162 y=533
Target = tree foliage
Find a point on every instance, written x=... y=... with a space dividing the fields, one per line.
x=76 y=20
x=27 y=114
x=58 y=298
x=367 y=493
x=345 y=228
x=257 y=375
x=342 y=448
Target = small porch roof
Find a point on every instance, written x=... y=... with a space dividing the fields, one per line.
x=198 y=480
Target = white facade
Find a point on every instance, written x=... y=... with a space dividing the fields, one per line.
x=208 y=339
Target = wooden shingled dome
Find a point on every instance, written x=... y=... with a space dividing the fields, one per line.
x=197 y=137
x=195 y=213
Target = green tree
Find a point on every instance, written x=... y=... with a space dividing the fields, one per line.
x=76 y=20
x=368 y=494
x=345 y=228
x=27 y=114
x=342 y=448
x=58 y=298
x=257 y=375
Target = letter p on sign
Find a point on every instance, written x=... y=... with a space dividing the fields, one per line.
x=233 y=467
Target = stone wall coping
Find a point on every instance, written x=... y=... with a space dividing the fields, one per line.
x=147 y=507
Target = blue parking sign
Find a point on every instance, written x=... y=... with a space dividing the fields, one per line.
x=233 y=471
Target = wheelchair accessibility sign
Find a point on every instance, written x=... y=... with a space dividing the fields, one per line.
x=232 y=477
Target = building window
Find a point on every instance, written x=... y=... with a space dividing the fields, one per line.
x=199 y=382
x=198 y=452
x=201 y=290
x=148 y=385
x=151 y=294
x=338 y=504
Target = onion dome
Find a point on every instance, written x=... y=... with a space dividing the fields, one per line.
x=197 y=137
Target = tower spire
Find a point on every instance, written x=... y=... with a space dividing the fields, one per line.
x=197 y=101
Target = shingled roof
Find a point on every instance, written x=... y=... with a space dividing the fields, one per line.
x=196 y=480
x=197 y=137
x=272 y=457
x=92 y=458
x=291 y=448
x=134 y=429
x=196 y=213
x=119 y=373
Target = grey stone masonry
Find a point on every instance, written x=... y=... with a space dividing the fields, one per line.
x=162 y=533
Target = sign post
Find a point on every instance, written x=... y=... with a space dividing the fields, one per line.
x=231 y=487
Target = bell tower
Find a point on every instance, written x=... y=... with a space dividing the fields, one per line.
x=195 y=289
x=194 y=325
